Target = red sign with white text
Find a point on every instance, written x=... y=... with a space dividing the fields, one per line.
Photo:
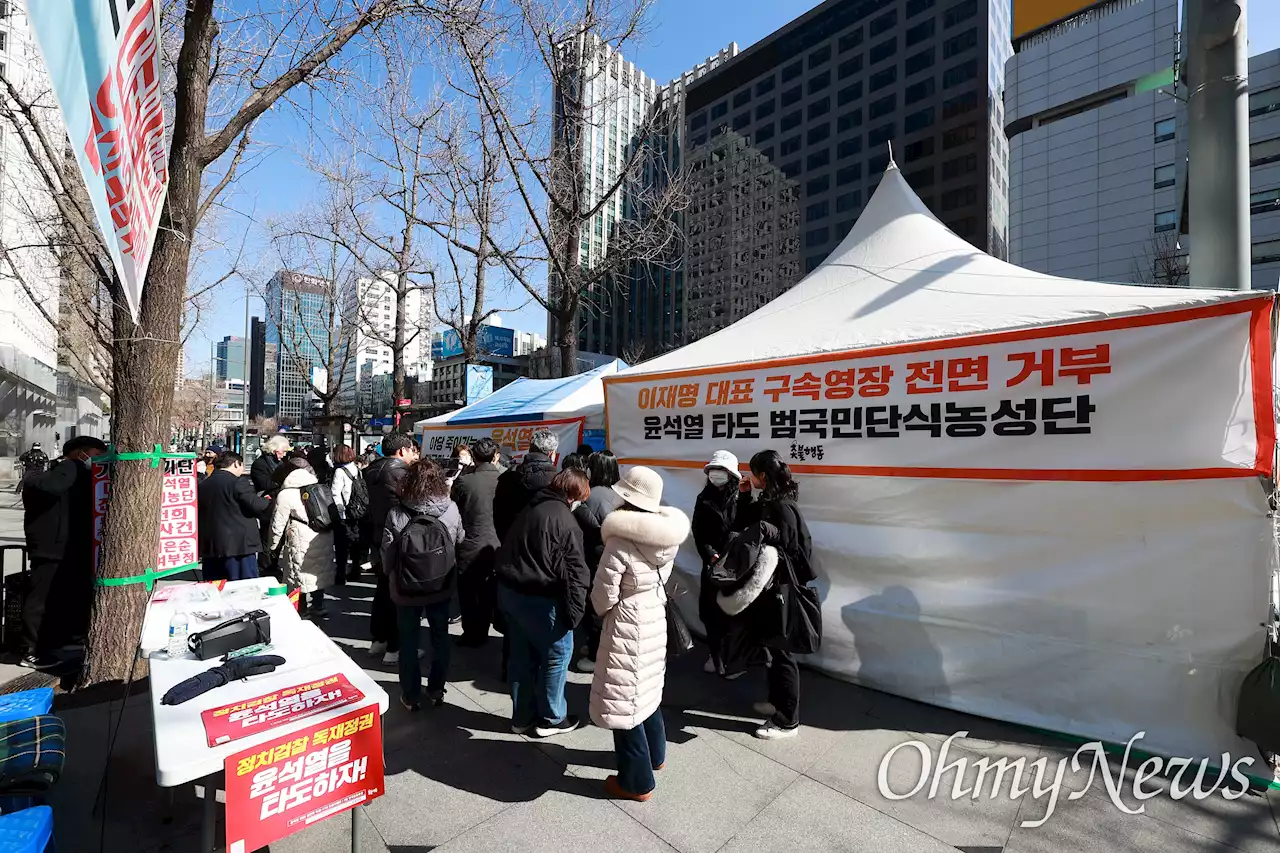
x=241 y=719
x=285 y=785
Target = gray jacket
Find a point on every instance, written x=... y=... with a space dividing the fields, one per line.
x=397 y=520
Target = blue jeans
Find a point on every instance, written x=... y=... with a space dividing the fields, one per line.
x=541 y=648
x=639 y=751
x=409 y=618
x=242 y=568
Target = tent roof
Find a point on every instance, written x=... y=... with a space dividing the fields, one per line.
x=535 y=399
x=900 y=276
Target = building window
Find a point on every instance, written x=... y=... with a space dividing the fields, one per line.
x=848 y=201
x=818 y=159
x=918 y=62
x=883 y=50
x=790 y=96
x=1264 y=101
x=918 y=121
x=920 y=178
x=789 y=146
x=958 y=166
x=1264 y=201
x=816 y=211
x=956 y=45
x=792 y=71
x=959 y=74
x=719 y=110
x=920 y=149
x=3 y=36
x=819 y=82
x=819 y=56
x=741 y=120
x=1166 y=220
x=880 y=135
x=849 y=66
x=848 y=121
x=959 y=105
x=884 y=23
x=883 y=78
x=792 y=120
x=1166 y=129
x=919 y=91
x=764 y=132
x=818 y=185
x=960 y=135
x=961 y=197
x=1164 y=177
x=765 y=109
x=765 y=85
x=791 y=169
x=848 y=147
x=742 y=97
x=817 y=237
x=1266 y=252
x=920 y=32
x=819 y=108
x=849 y=41
x=1266 y=151
x=767 y=153
x=849 y=174
x=700 y=139
x=915 y=7
x=850 y=93
x=960 y=12
x=819 y=133
x=882 y=106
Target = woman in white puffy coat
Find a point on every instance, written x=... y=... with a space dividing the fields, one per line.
x=640 y=542
x=306 y=555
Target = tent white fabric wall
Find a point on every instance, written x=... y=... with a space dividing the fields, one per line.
x=1116 y=587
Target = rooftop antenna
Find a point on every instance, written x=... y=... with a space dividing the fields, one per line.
x=892 y=165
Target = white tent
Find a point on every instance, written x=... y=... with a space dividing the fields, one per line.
x=571 y=407
x=1031 y=498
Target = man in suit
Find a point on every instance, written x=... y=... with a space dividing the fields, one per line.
x=58 y=523
x=229 y=510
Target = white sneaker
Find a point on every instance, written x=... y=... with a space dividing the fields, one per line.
x=764 y=709
x=769 y=731
x=376 y=648
x=585 y=665
x=391 y=658
x=710 y=667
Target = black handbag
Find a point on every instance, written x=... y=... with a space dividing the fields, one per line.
x=247 y=630
x=794 y=614
x=679 y=638
x=1258 y=706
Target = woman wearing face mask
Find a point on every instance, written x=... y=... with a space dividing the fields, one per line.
x=714 y=515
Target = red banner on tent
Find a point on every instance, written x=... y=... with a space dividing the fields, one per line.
x=281 y=707
x=285 y=785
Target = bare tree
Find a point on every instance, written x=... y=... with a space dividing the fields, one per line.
x=632 y=201
x=1161 y=262
x=232 y=66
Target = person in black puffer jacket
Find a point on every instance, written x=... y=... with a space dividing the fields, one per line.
x=517 y=486
x=714 y=522
x=383 y=480
x=542 y=591
x=603 y=469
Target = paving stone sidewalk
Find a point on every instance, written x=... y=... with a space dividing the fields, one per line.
x=458 y=780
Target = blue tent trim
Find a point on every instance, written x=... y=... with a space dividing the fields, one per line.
x=527 y=399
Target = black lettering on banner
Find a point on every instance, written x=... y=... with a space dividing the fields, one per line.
x=693 y=427
x=966 y=421
x=842 y=418
x=1015 y=417
x=735 y=425
x=801 y=453
x=673 y=427
x=883 y=421
x=927 y=418
x=813 y=422
x=783 y=423
x=652 y=427
x=1053 y=412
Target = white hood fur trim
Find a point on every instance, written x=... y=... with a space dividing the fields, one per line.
x=761 y=573
x=664 y=528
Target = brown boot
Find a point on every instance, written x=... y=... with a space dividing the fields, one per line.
x=613 y=789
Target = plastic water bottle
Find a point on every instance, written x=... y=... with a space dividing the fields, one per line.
x=178 y=629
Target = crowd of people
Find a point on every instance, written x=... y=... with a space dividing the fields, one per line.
x=570 y=559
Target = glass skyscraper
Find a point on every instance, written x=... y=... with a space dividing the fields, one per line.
x=297 y=323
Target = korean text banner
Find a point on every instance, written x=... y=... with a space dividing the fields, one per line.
x=103 y=59
x=179 y=521
x=1162 y=396
x=512 y=439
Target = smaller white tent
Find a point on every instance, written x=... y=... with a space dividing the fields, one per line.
x=570 y=407
x=1031 y=498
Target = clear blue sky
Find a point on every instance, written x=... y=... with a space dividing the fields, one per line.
x=683 y=33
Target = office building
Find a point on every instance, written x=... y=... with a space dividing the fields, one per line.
x=788 y=139
x=229 y=361
x=298 y=324
x=1264 y=168
x=369 y=307
x=1092 y=124
x=29 y=281
x=507 y=352
x=263 y=361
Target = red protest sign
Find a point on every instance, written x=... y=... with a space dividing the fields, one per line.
x=284 y=785
x=241 y=719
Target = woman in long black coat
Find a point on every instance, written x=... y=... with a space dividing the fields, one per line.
x=714 y=516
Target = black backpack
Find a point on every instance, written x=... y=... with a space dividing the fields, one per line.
x=358 y=502
x=317 y=499
x=426 y=560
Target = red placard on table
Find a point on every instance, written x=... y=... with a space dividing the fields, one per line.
x=287 y=784
x=280 y=707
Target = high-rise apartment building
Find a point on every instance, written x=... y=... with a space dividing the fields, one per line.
x=298 y=313
x=1264 y=168
x=29 y=279
x=230 y=359
x=369 y=308
x=787 y=140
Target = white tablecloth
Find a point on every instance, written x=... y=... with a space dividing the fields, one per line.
x=182 y=750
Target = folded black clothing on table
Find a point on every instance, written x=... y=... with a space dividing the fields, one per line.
x=232 y=670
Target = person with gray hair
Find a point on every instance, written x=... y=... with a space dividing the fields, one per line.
x=273 y=450
x=517 y=486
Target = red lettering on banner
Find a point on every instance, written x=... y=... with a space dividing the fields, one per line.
x=924 y=377
x=1083 y=364
x=967 y=374
x=1033 y=362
